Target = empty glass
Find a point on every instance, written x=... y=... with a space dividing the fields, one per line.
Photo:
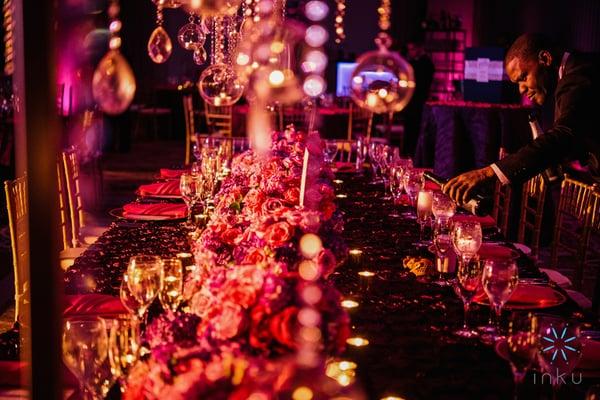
x=145 y=279
x=466 y=239
x=424 y=200
x=413 y=183
x=442 y=244
x=468 y=282
x=190 y=186
x=85 y=349
x=330 y=151
x=499 y=279
x=171 y=294
x=127 y=298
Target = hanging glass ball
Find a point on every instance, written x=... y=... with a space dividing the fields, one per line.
x=159 y=45
x=382 y=82
x=200 y=56
x=219 y=85
x=168 y=3
x=212 y=7
x=113 y=83
x=191 y=36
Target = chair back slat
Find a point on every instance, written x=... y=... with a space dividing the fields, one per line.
x=360 y=122
x=190 y=125
x=501 y=208
x=532 y=212
x=63 y=204
x=219 y=119
x=18 y=221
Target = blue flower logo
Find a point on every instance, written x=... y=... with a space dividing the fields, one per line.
x=558 y=344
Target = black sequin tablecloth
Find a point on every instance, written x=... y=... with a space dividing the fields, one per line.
x=412 y=352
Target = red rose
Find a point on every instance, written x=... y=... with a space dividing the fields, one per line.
x=259 y=335
x=218 y=227
x=327 y=208
x=292 y=195
x=278 y=233
x=231 y=236
x=254 y=200
x=282 y=326
x=271 y=205
x=254 y=256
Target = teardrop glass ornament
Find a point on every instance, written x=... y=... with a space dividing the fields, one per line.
x=113 y=83
x=200 y=56
x=167 y=3
x=159 y=45
x=190 y=36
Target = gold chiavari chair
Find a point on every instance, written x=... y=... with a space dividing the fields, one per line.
x=360 y=122
x=346 y=150
x=591 y=229
x=501 y=208
x=219 y=120
x=68 y=253
x=190 y=126
x=18 y=222
x=81 y=233
x=532 y=212
x=572 y=207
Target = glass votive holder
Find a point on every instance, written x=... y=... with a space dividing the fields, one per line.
x=187 y=262
x=355 y=257
x=366 y=278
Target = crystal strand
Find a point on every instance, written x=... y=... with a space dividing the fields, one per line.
x=213 y=42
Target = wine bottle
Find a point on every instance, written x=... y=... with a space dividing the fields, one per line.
x=478 y=205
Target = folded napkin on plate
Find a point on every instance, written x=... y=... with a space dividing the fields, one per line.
x=170 y=188
x=156 y=209
x=432 y=186
x=101 y=305
x=491 y=250
x=168 y=173
x=486 y=222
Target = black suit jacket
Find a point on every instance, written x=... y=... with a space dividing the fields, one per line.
x=575 y=134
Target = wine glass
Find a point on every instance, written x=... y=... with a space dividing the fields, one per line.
x=443 y=207
x=466 y=239
x=522 y=345
x=413 y=183
x=424 y=199
x=499 y=279
x=171 y=294
x=123 y=348
x=468 y=283
x=128 y=300
x=361 y=153
x=330 y=151
x=190 y=186
x=85 y=349
x=145 y=280
x=442 y=244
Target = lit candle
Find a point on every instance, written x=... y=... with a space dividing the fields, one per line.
x=341 y=196
x=365 y=279
x=357 y=341
x=187 y=261
x=355 y=256
x=349 y=304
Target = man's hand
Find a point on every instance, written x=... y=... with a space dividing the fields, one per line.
x=460 y=187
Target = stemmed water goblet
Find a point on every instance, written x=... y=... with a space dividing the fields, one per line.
x=522 y=345
x=171 y=294
x=128 y=300
x=413 y=183
x=443 y=207
x=145 y=280
x=361 y=154
x=330 y=151
x=466 y=240
x=499 y=279
x=84 y=350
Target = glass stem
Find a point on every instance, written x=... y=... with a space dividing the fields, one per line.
x=467 y=306
x=421 y=230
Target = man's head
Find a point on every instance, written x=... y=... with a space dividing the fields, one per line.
x=532 y=63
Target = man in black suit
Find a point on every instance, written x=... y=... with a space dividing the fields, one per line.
x=540 y=70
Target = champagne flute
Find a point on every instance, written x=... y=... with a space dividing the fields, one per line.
x=499 y=278
x=171 y=294
x=413 y=182
x=522 y=345
x=84 y=349
x=145 y=280
x=468 y=283
x=442 y=243
x=424 y=200
x=123 y=348
x=128 y=300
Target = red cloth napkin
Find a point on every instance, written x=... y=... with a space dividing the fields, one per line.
x=101 y=305
x=167 y=173
x=11 y=373
x=156 y=209
x=489 y=250
x=170 y=188
x=486 y=222
x=344 y=166
x=432 y=186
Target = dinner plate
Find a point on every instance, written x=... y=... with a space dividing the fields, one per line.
x=491 y=250
x=158 y=196
x=118 y=213
x=528 y=297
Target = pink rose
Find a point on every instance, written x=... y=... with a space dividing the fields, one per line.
x=278 y=233
x=228 y=322
x=271 y=205
x=292 y=195
x=254 y=256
